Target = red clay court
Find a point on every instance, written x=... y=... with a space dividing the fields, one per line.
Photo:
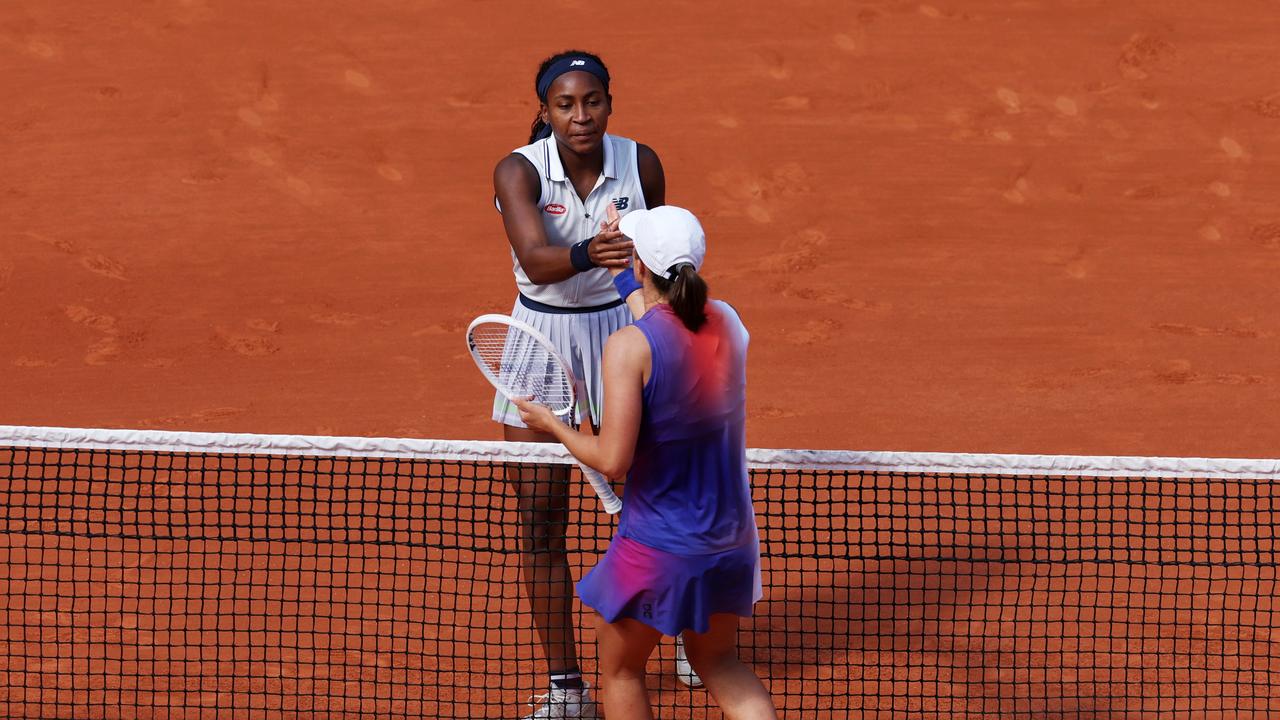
x=973 y=227
x=985 y=227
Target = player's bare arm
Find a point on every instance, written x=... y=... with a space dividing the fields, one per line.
x=652 y=178
x=515 y=182
x=626 y=358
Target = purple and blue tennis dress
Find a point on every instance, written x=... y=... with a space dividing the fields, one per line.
x=686 y=546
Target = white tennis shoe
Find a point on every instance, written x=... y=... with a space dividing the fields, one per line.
x=684 y=671
x=564 y=703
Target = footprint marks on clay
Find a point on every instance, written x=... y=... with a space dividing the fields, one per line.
x=263 y=325
x=83 y=316
x=115 y=338
x=1210 y=233
x=1201 y=331
x=438 y=329
x=1180 y=372
x=96 y=263
x=758 y=196
x=1077 y=265
x=831 y=298
x=1144 y=54
x=62 y=246
x=799 y=252
x=793 y=102
x=104 y=266
x=384 y=165
x=341 y=319
x=357 y=79
x=1010 y=100
x=268 y=153
x=203 y=176
x=1233 y=148
x=771 y=412
x=454 y=325
x=940 y=12
x=1266 y=234
x=1147 y=192
x=1267 y=107
x=814 y=332
x=258 y=343
x=773 y=64
x=195 y=418
x=30 y=362
x=244 y=344
x=1068 y=380
x=41 y=48
x=851 y=43
x=104 y=350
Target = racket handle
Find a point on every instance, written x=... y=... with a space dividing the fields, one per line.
x=600 y=484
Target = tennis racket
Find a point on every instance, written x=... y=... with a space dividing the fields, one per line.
x=521 y=362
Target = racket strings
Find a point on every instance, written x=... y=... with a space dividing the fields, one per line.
x=522 y=365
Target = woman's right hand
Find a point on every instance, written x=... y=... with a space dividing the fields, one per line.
x=535 y=416
x=610 y=249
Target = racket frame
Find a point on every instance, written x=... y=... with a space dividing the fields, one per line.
x=611 y=502
x=538 y=337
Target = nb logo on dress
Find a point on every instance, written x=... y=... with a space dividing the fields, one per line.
x=621 y=203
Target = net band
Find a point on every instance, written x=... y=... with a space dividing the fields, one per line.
x=502 y=451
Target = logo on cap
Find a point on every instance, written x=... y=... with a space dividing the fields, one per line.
x=554 y=209
x=577 y=62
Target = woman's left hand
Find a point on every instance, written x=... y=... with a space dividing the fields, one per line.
x=611 y=225
x=537 y=417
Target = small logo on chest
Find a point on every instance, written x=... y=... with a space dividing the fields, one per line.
x=554 y=209
x=621 y=203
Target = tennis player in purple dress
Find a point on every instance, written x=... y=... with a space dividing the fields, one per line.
x=686 y=555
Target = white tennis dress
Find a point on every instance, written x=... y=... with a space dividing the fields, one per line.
x=579 y=313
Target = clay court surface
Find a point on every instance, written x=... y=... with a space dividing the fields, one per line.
x=1037 y=227
x=1044 y=227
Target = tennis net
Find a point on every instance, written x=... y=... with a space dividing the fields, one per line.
x=153 y=574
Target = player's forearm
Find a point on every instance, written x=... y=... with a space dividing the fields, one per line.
x=594 y=451
x=546 y=265
x=581 y=445
x=635 y=303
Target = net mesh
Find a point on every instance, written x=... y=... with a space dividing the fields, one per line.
x=154 y=575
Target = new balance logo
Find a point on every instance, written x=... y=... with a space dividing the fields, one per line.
x=577 y=62
x=621 y=203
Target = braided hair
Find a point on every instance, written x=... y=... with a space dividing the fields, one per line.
x=539 y=129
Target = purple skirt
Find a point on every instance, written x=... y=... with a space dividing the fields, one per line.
x=668 y=592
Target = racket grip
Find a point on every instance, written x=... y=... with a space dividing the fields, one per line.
x=604 y=490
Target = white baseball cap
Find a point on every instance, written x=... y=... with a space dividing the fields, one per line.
x=665 y=237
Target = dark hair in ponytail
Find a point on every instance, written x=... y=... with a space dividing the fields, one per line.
x=539 y=129
x=687 y=295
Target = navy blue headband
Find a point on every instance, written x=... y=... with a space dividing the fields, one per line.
x=571 y=63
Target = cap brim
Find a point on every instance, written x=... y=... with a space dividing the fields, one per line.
x=629 y=222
